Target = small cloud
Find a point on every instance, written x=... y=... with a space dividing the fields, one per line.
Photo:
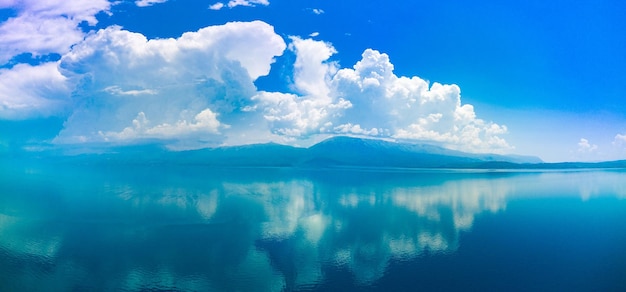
x=217 y=6
x=356 y=129
x=116 y=90
x=146 y=3
x=249 y=3
x=620 y=140
x=235 y=3
x=314 y=34
x=585 y=147
x=317 y=11
x=204 y=122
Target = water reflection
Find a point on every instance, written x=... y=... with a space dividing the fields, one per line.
x=196 y=229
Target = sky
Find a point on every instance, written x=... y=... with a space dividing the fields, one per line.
x=532 y=78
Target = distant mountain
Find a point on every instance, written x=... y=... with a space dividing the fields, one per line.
x=270 y=154
x=255 y=155
x=370 y=152
x=333 y=152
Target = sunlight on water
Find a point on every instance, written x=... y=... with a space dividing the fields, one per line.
x=199 y=229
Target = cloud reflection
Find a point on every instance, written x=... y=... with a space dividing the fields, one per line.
x=240 y=229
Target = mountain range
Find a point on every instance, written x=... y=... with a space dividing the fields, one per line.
x=331 y=153
x=336 y=152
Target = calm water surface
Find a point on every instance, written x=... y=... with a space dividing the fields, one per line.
x=200 y=229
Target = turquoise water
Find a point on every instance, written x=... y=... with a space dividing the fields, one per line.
x=153 y=228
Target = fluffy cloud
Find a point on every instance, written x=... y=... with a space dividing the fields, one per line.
x=216 y=6
x=312 y=71
x=585 y=147
x=27 y=91
x=118 y=86
x=408 y=108
x=203 y=123
x=40 y=28
x=370 y=100
x=146 y=3
x=303 y=115
x=235 y=3
x=620 y=140
x=44 y=27
x=129 y=87
x=134 y=88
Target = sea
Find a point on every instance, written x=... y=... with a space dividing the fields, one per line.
x=167 y=227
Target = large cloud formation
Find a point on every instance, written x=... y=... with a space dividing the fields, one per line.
x=370 y=100
x=130 y=88
x=118 y=87
x=40 y=28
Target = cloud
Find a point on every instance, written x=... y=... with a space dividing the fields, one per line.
x=317 y=11
x=131 y=88
x=585 y=147
x=7 y=3
x=366 y=100
x=314 y=34
x=370 y=100
x=216 y=6
x=235 y=3
x=251 y=3
x=203 y=123
x=146 y=3
x=620 y=140
x=119 y=86
x=44 y=27
x=116 y=90
x=32 y=91
x=408 y=108
x=356 y=130
x=303 y=115
x=312 y=71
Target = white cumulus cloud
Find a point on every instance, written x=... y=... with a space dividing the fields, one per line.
x=217 y=6
x=44 y=27
x=146 y=3
x=408 y=108
x=304 y=115
x=118 y=86
x=235 y=3
x=204 y=122
x=130 y=88
x=620 y=140
x=370 y=100
x=252 y=3
x=32 y=91
x=585 y=147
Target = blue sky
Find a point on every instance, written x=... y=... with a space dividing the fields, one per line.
x=533 y=78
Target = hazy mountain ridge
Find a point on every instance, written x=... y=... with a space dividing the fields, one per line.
x=406 y=153
x=333 y=152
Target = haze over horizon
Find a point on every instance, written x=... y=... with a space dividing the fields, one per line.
x=533 y=78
